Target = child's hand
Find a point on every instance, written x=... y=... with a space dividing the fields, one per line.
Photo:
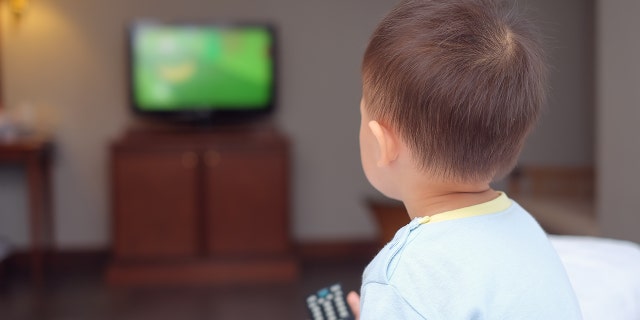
x=353 y=299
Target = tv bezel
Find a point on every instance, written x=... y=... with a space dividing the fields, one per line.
x=211 y=114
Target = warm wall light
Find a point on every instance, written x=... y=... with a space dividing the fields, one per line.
x=19 y=7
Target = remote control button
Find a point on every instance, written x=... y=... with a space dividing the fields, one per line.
x=343 y=312
x=322 y=293
x=330 y=296
x=311 y=299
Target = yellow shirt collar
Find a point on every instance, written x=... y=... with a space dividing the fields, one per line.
x=501 y=203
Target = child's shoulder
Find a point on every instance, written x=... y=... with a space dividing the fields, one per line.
x=511 y=236
x=504 y=256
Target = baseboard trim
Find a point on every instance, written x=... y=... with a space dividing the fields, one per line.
x=311 y=252
x=66 y=260
x=336 y=251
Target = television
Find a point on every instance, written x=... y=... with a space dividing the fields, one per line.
x=202 y=72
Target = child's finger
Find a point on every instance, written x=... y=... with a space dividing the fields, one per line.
x=353 y=299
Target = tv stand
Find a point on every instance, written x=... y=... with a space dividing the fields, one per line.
x=200 y=207
x=151 y=125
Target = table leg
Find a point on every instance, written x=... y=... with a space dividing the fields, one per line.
x=36 y=214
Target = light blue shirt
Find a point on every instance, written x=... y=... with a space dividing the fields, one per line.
x=497 y=265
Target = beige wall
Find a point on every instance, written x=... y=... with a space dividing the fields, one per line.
x=68 y=56
x=618 y=115
x=565 y=134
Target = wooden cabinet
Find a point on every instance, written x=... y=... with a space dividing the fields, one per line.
x=244 y=204
x=200 y=207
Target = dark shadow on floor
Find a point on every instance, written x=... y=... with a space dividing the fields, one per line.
x=83 y=295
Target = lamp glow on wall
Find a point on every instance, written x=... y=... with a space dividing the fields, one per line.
x=19 y=7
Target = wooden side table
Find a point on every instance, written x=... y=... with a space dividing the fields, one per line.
x=35 y=155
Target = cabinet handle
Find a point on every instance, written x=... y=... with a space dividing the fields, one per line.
x=189 y=160
x=212 y=158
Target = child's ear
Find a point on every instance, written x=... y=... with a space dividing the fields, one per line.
x=387 y=143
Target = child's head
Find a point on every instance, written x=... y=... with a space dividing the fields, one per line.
x=461 y=83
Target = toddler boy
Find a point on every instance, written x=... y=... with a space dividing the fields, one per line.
x=451 y=88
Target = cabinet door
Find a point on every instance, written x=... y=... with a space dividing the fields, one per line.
x=156 y=207
x=246 y=201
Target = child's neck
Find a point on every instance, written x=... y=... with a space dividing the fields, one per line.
x=440 y=198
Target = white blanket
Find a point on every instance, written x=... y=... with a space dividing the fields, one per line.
x=605 y=275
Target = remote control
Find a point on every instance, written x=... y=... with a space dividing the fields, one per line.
x=329 y=303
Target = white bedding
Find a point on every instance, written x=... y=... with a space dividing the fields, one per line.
x=605 y=275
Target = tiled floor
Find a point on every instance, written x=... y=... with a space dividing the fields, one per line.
x=84 y=296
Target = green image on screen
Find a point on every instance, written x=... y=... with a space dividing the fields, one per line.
x=183 y=67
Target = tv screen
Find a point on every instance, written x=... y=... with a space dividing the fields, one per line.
x=179 y=69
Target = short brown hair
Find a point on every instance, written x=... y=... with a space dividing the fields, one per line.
x=461 y=81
